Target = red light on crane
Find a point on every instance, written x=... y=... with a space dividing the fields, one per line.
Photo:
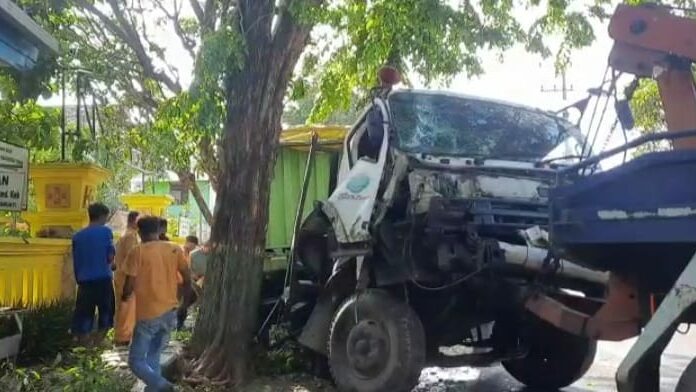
x=388 y=76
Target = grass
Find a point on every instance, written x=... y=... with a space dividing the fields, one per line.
x=78 y=370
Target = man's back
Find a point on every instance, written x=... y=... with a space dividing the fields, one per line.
x=155 y=266
x=92 y=250
x=199 y=261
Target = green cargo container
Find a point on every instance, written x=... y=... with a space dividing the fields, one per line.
x=288 y=174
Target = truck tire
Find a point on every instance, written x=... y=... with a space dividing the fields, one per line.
x=555 y=358
x=687 y=381
x=376 y=344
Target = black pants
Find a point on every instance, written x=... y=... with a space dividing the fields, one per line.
x=184 y=305
x=94 y=295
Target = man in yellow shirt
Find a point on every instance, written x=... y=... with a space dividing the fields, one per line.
x=151 y=270
x=125 y=311
x=190 y=245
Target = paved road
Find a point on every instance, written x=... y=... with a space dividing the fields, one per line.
x=600 y=378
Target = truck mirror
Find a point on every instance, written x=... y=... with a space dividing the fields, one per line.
x=624 y=114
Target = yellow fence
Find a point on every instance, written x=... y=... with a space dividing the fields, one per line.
x=33 y=272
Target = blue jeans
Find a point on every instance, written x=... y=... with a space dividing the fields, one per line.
x=150 y=337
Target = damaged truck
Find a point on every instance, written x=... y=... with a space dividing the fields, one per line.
x=430 y=242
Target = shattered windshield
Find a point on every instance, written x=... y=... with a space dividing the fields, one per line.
x=457 y=126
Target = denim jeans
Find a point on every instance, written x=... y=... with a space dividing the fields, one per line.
x=150 y=337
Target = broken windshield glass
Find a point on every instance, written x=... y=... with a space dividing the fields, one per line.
x=441 y=124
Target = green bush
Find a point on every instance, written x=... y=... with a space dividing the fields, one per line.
x=46 y=331
x=88 y=373
x=80 y=371
x=14 y=379
x=284 y=358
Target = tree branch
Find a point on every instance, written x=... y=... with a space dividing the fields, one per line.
x=209 y=15
x=127 y=33
x=136 y=44
x=188 y=44
x=188 y=179
x=198 y=10
x=208 y=161
x=95 y=36
x=290 y=37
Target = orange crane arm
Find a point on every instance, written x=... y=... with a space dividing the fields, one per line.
x=650 y=41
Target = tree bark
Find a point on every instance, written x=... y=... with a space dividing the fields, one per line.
x=229 y=309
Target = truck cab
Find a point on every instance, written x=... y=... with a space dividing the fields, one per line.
x=428 y=144
x=425 y=245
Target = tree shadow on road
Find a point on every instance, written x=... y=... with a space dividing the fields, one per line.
x=495 y=379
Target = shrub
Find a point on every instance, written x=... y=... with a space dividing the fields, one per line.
x=284 y=357
x=89 y=373
x=46 y=331
x=81 y=371
x=14 y=379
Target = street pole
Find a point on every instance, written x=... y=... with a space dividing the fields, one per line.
x=563 y=90
x=62 y=116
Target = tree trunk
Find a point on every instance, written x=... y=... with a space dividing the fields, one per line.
x=229 y=310
x=230 y=305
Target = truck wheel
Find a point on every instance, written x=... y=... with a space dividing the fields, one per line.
x=377 y=344
x=687 y=381
x=555 y=358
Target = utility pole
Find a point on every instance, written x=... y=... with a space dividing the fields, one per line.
x=564 y=89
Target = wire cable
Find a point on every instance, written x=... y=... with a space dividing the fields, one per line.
x=594 y=112
x=449 y=285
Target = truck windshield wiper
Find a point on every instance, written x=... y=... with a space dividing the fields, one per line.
x=549 y=160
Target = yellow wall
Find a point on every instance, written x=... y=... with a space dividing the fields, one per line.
x=34 y=272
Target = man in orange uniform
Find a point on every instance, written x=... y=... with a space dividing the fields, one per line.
x=190 y=245
x=125 y=311
x=151 y=270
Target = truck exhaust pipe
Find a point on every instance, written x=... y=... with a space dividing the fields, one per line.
x=532 y=259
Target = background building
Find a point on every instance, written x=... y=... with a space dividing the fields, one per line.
x=184 y=212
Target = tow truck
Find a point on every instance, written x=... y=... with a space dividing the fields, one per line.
x=637 y=220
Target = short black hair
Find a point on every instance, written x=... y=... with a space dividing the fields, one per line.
x=133 y=216
x=162 y=222
x=97 y=211
x=148 y=225
x=192 y=239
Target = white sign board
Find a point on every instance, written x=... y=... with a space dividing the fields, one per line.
x=184 y=227
x=14 y=177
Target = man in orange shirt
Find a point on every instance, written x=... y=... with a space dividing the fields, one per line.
x=151 y=270
x=190 y=245
x=125 y=311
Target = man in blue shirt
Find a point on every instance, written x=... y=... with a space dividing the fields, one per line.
x=93 y=255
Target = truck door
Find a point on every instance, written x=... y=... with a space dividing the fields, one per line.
x=351 y=205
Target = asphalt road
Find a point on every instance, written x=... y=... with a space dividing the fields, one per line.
x=600 y=378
